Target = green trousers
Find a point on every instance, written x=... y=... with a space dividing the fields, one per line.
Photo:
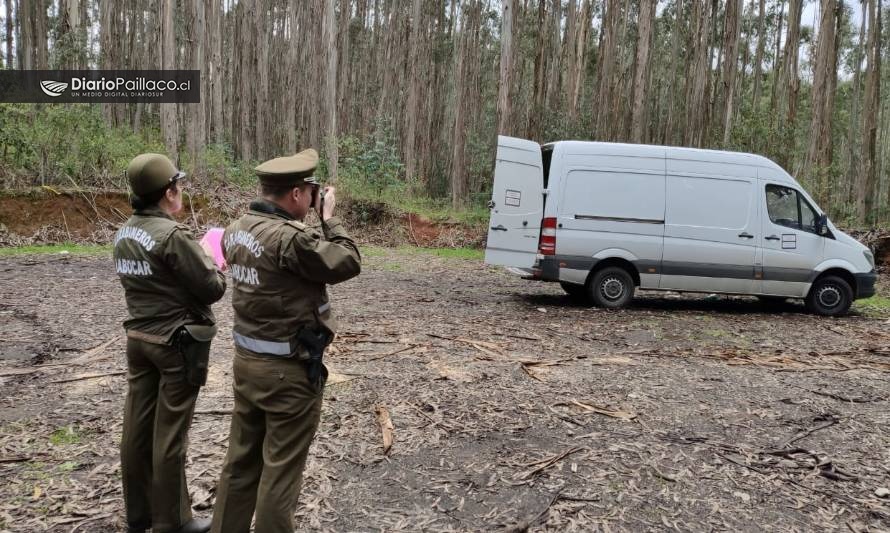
x=157 y=416
x=276 y=414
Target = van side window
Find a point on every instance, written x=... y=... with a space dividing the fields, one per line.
x=788 y=208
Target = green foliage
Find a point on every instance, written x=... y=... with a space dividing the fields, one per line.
x=221 y=166
x=370 y=168
x=59 y=144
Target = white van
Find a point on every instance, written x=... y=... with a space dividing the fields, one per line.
x=604 y=218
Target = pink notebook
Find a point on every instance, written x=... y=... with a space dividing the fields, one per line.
x=213 y=240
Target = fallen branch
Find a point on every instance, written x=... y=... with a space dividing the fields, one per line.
x=87 y=355
x=393 y=352
x=623 y=415
x=839 y=397
x=547 y=463
x=528 y=371
x=803 y=434
x=89 y=376
x=17 y=459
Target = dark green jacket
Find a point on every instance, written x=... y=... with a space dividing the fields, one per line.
x=167 y=277
x=280 y=270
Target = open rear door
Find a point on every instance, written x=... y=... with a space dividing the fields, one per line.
x=517 y=204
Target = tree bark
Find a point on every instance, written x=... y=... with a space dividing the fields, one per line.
x=583 y=29
x=791 y=83
x=855 y=123
x=603 y=104
x=169 y=120
x=731 y=34
x=539 y=88
x=195 y=132
x=817 y=165
x=409 y=149
x=758 y=54
x=671 y=128
x=867 y=192
x=216 y=71
x=697 y=86
x=261 y=89
x=777 y=65
x=10 y=60
x=330 y=92
x=506 y=68
x=644 y=37
x=459 y=175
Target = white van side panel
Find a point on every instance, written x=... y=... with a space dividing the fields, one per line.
x=609 y=199
x=711 y=227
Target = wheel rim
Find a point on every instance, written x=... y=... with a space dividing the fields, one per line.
x=612 y=289
x=829 y=296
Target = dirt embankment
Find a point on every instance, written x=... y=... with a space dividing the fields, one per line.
x=49 y=216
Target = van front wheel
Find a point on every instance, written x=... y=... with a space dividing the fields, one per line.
x=830 y=296
x=611 y=287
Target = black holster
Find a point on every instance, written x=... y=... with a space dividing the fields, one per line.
x=193 y=343
x=315 y=343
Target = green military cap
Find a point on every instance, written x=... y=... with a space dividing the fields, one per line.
x=289 y=170
x=148 y=173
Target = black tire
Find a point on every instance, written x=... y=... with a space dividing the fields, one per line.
x=830 y=296
x=575 y=291
x=611 y=287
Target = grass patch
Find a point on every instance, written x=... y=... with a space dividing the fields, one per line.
x=391 y=267
x=65 y=435
x=71 y=248
x=372 y=251
x=471 y=254
x=875 y=306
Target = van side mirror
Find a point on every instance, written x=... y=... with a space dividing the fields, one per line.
x=822 y=225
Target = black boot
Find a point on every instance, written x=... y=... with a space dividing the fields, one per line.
x=138 y=529
x=195 y=525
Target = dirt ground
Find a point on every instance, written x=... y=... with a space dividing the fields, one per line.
x=513 y=408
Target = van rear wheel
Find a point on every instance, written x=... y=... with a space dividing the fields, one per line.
x=830 y=296
x=611 y=287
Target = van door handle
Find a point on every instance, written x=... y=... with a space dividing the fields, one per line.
x=499 y=227
x=773 y=238
x=746 y=235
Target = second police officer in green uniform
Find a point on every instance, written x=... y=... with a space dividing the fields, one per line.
x=169 y=283
x=280 y=270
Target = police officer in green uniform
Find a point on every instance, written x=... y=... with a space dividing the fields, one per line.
x=169 y=283
x=280 y=271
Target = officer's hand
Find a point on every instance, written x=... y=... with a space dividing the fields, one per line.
x=327 y=206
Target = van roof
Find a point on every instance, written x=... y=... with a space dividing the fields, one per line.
x=673 y=152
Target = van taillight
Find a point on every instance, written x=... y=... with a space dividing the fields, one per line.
x=547 y=246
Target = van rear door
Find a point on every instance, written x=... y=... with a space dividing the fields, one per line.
x=517 y=204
